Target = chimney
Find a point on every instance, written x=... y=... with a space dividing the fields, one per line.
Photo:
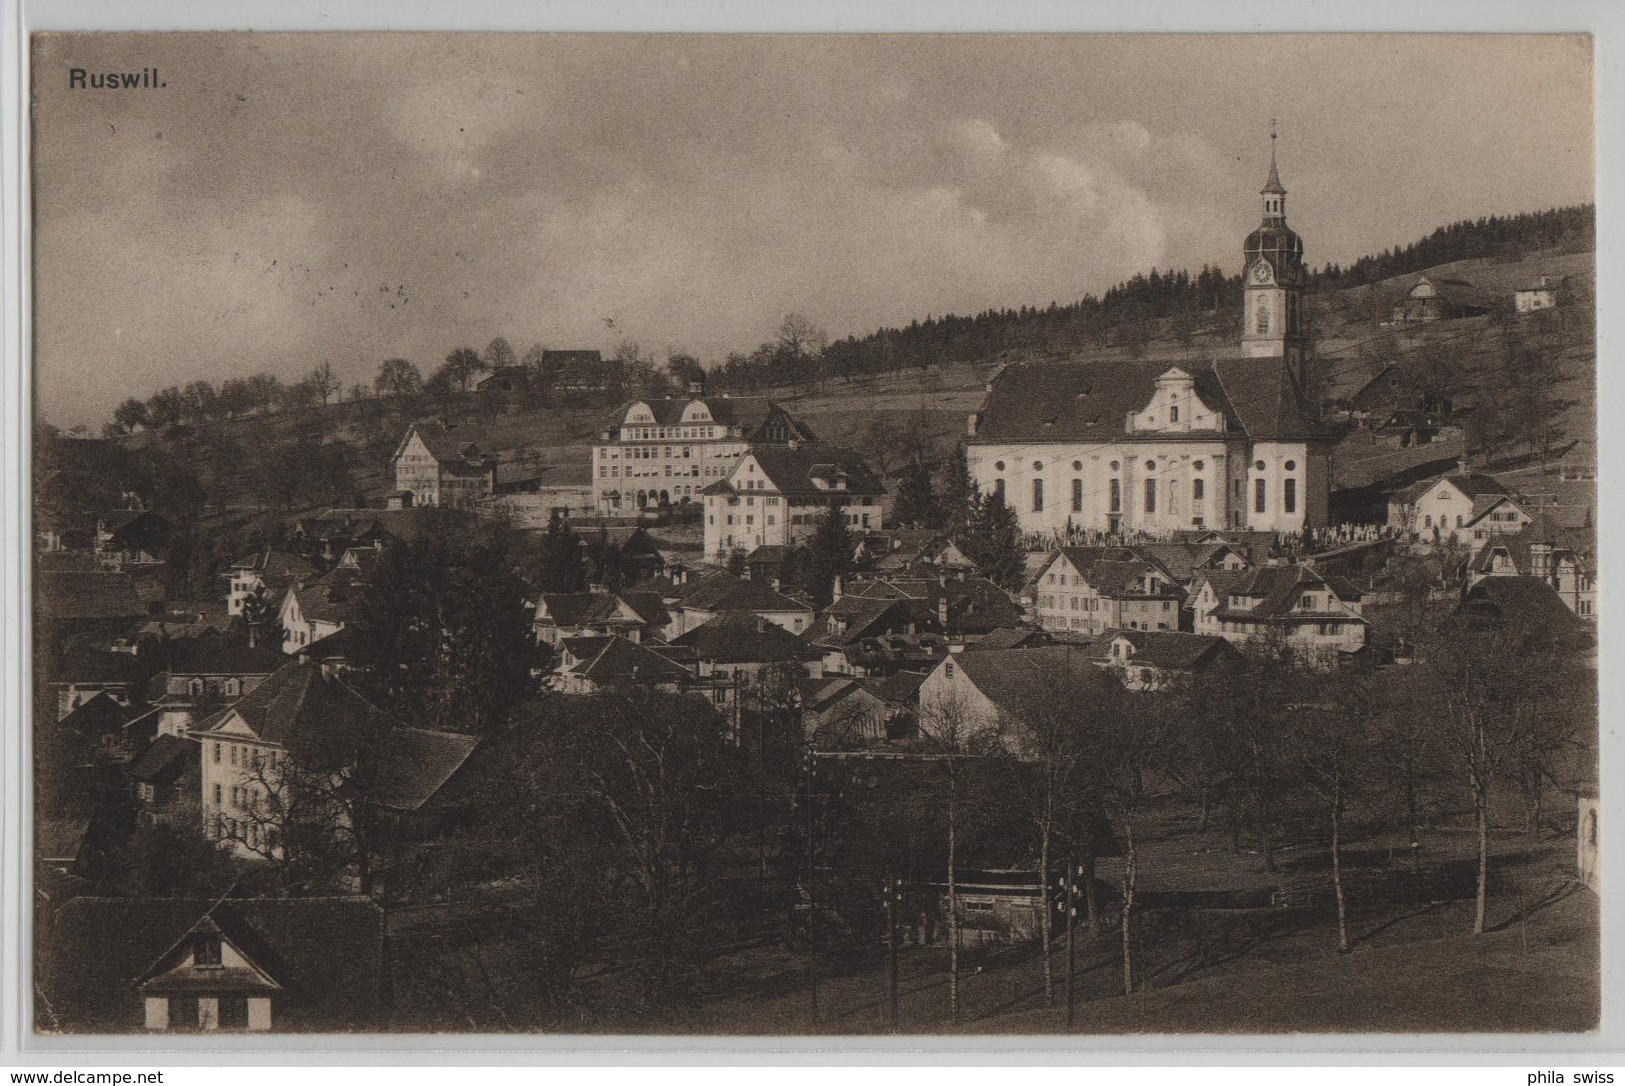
x=839 y=588
x=942 y=611
x=1461 y=464
x=972 y=421
x=795 y=443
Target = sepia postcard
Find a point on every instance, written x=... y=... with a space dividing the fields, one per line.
x=722 y=535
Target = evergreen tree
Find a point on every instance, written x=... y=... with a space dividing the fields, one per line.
x=917 y=505
x=957 y=493
x=994 y=540
x=562 y=568
x=829 y=553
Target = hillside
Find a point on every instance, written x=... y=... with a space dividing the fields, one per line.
x=245 y=463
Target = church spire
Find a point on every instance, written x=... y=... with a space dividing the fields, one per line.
x=1273 y=186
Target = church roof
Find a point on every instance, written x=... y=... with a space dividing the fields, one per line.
x=1090 y=401
x=1273 y=186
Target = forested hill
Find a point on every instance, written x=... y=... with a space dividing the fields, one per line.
x=1183 y=300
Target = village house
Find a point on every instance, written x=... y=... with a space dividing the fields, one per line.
x=1437 y=297
x=1157 y=659
x=843 y=712
x=319 y=609
x=1540 y=293
x=776 y=495
x=1464 y=505
x=1517 y=603
x=81 y=674
x=1084 y=591
x=665 y=451
x=743 y=659
x=578 y=372
x=981 y=696
x=166 y=778
x=248 y=753
x=76 y=602
x=721 y=592
x=589 y=664
x=902 y=551
x=1392 y=405
x=268 y=570
x=1123 y=446
x=1565 y=558
x=131 y=539
x=859 y=635
x=437 y=465
x=632 y=615
x=206 y=672
x=202 y=965
x=1288 y=606
x=967 y=606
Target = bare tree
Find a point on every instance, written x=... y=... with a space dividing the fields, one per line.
x=323 y=382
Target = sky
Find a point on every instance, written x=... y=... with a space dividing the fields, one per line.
x=285 y=200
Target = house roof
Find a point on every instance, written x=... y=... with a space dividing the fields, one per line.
x=730 y=593
x=1183 y=560
x=974 y=604
x=1164 y=649
x=417 y=765
x=273 y=566
x=297 y=697
x=94 y=666
x=739 y=637
x=852 y=618
x=1471 y=484
x=1453 y=290
x=86 y=594
x=164 y=760
x=898 y=688
x=1091 y=401
x=621 y=661
x=452 y=446
x=98 y=715
x=648 y=606
x=571 y=610
x=809 y=473
x=1006 y=676
x=326 y=954
x=334 y=597
x=754 y=418
x=220 y=655
x=59 y=838
x=1524 y=601
x=1277 y=588
x=1008 y=637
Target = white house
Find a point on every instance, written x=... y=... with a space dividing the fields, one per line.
x=979 y=697
x=1539 y=293
x=1318 y=618
x=775 y=495
x=1457 y=507
x=1084 y=591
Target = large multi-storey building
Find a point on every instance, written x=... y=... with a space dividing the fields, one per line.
x=1223 y=441
x=775 y=496
x=665 y=451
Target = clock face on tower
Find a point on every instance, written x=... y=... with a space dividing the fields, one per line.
x=1261 y=272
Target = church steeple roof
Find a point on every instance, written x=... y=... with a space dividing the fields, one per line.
x=1273 y=186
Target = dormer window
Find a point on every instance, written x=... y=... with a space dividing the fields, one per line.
x=206 y=951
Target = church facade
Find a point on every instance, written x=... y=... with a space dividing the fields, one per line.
x=1225 y=441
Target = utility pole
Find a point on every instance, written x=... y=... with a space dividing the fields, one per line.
x=1074 y=873
x=811 y=765
x=893 y=902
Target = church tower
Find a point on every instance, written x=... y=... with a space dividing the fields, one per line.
x=1274 y=279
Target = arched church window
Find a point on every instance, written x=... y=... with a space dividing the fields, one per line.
x=1263 y=317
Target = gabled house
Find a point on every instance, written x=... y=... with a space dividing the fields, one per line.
x=1184 y=560
x=842 y=712
x=1084 y=591
x=1436 y=297
x=320 y=608
x=589 y=664
x=131 y=538
x=205 y=673
x=302 y=712
x=738 y=654
x=1292 y=607
x=775 y=494
x=967 y=606
x=981 y=696
x=81 y=674
x=1517 y=602
x=1158 y=659
x=900 y=551
x=877 y=637
x=1542 y=292
x=1565 y=558
x=85 y=601
x=561 y=615
x=268 y=570
x=183 y=965
x=167 y=779
x=436 y=465
x=1455 y=507
x=722 y=592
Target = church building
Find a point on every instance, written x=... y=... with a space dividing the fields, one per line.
x=1229 y=440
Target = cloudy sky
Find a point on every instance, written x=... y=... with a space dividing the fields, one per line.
x=291 y=199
